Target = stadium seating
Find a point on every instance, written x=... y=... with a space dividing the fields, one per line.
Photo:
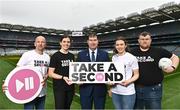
x=163 y=24
x=163 y=35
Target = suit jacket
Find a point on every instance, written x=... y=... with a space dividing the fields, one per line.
x=93 y=89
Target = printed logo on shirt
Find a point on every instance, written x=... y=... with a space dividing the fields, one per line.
x=65 y=62
x=40 y=63
x=145 y=59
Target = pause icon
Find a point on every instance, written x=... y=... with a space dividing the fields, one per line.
x=29 y=84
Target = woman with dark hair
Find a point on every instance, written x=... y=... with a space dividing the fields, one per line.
x=59 y=71
x=123 y=94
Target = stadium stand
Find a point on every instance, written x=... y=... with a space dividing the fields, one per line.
x=164 y=24
x=2 y=52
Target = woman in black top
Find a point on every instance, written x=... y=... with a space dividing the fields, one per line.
x=59 y=71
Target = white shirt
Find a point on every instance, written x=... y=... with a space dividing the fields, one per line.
x=131 y=64
x=38 y=61
x=95 y=53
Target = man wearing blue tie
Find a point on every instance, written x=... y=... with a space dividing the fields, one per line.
x=93 y=93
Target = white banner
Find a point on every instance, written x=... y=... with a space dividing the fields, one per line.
x=77 y=33
x=96 y=72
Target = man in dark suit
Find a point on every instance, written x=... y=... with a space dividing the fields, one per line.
x=93 y=93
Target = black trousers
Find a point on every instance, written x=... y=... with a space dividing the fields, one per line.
x=63 y=99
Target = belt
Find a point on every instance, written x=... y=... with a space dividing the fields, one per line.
x=140 y=85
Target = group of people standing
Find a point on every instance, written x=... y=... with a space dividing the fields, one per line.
x=141 y=89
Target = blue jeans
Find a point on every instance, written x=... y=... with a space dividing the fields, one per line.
x=123 y=101
x=148 y=97
x=38 y=103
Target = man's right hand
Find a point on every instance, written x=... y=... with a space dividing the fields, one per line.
x=4 y=88
x=110 y=92
x=111 y=84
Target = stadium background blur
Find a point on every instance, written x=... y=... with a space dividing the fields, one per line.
x=162 y=23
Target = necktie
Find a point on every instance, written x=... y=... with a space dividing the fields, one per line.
x=92 y=57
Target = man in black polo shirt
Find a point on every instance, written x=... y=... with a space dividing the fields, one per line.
x=149 y=84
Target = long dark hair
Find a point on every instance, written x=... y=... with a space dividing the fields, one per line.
x=125 y=41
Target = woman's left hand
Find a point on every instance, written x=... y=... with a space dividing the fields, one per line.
x=125 y=83
x=67 y=80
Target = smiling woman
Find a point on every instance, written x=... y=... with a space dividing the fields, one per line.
x=59 y=72
x=123 y=93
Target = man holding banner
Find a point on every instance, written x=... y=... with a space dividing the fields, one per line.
x=40 y=60
x=93 y=93
x=36 y=59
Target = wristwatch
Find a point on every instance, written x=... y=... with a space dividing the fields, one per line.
x=173 y=67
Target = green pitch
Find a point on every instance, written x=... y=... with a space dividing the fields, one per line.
x=171 y=92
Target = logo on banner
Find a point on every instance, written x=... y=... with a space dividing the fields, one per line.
x=23 y=84
x=96 y=72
